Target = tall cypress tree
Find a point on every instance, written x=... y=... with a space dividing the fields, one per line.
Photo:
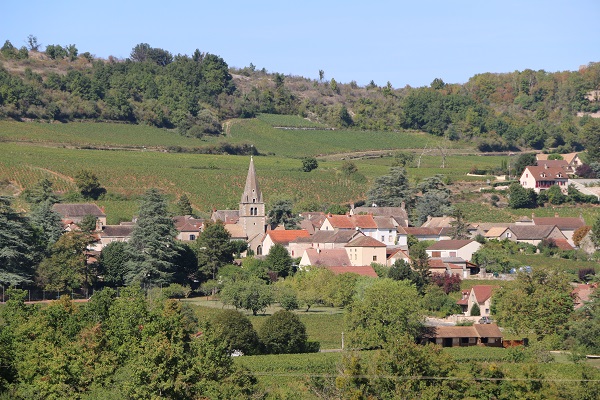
x=48 y=221
x=152 y=248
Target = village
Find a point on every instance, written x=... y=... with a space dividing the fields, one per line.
x=368 y=236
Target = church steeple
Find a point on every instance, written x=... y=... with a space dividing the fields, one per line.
x=252 y=193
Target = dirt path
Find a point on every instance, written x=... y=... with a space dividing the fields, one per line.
x=57 y=174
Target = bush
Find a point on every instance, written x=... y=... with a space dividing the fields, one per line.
x=176 y=291
x=475 y=311
x=284 y=333
x=237 y=331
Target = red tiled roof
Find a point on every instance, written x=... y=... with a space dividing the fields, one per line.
x=453 y=244
x=366 y=270
x=420 y=231
x=543 y=173
x=563 y=244
x=352 y=221
x=286 y=236
x=477 y=330
x=365 y=241
x=483 y=292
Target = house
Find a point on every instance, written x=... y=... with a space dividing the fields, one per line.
x=326 y=257
x=463 y=248
x=283 y=237
x=534 y=234
x=562 y=164
x=399 y=214
x=365 y=250
x=572 y=159
x=444 y=221
x=444 y=266
x=421 y=233
x=312 y=221
x=540 y=178
x=488 y=335
x=188 y=227
x=113 y=233
x=76 y=212
x=480 y=295
x=330 y=239
x=567 y=225
x=382 y=228
x=396 y=253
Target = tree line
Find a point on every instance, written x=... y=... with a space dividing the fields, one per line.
x=195 y=94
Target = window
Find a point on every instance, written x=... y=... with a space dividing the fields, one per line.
x=192 y=237
x=436 y=254
x=452 y=254
x=383 y=238
x=374 y=258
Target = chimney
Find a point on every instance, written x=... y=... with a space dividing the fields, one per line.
x=546 y=166
x=532 y=215
x=352 y=206
x=403 y=205
x=556 y=215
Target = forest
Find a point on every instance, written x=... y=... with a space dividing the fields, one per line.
x=194 y=95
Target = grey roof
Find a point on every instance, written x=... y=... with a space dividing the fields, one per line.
x=227 y=216
x=532 y=232
x=338 y=236
x=569 y=223
x=67 y=210
x=117 y=230
x=252 y=193
x=454 y=244
x=384 y=222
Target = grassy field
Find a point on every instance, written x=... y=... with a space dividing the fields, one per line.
x=323 y=324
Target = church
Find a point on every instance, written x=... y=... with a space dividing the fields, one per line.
x=249 y=221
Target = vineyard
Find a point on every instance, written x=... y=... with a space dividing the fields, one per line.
x=293 y=121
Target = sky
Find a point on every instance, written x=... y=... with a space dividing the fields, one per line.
x=401 y=42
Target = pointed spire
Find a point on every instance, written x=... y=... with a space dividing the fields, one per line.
x=252 y=193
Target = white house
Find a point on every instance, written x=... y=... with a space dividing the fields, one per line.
x=453 y=248
x=543 y=177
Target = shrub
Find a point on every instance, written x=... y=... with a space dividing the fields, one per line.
x=475 y=311
x=176 y=291
x=284 y=333
x=586 y=274
x=237 y=331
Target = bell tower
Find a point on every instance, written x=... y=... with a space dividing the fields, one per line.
x=252 y=209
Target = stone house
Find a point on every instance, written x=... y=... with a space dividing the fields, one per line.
x=365 y=250
x=76 y=212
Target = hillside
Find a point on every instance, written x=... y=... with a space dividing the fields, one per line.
x=196 y=95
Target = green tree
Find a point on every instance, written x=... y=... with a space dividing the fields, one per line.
x=519 y=197
x=48 y=222
x=555 y=195
x=280 y=261
x=402 y=159
x=66 y=268
x=537 y=303
x=391 y=190
x=595 y=235
x=113 y=260
x=281 y=214
x=309 y=163
x=386 y=311
x=283 y=333
x=591 y=137
x=18 y=245
x=475 y=311
x=524 y=160
x=434 y=200
x=89 y=223
x=152 y=249
x=214 y=249
x=88 y=184
x=401 y=271
x=184 y=206
x=237 y=331
x=40 y=192
x=253 y=294
x=420 y=263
